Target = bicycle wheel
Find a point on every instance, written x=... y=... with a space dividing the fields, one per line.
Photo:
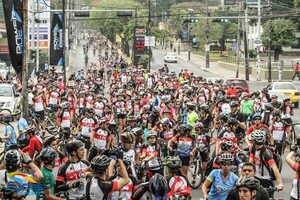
x=194 y=175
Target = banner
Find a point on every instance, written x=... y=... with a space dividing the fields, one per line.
x=56 y=43
x=14 y=27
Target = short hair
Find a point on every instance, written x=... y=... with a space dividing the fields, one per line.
x=250 y=164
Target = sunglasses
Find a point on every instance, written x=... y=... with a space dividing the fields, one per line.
x=257 y=119
x=226 y=163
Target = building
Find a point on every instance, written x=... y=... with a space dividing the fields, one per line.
x=4 y=53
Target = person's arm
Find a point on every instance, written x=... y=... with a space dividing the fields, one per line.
x=32 y=167
x=291 y=162
x=48 y=195
x=278 y=176
x=31 y=148
x=92 y=136
x=152 y=156
x=204 y=188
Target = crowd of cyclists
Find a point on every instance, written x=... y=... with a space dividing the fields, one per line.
x=122 y=132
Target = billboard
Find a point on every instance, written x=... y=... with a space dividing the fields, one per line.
x=56 y=41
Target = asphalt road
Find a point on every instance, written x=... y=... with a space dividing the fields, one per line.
x=77 y=63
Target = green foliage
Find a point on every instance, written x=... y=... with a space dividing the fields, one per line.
x=297 y=3
x=283 y=33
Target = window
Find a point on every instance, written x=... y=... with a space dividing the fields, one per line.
x=284 y=86
x=5 y=91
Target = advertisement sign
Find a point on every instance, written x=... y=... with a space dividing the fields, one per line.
x=139 y=43
x=56 y=43
x=43 y=18
x=14 y=27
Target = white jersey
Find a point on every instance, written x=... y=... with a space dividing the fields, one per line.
x=278 y=130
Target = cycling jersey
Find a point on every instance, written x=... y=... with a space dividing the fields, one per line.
x=184 y=145
x=178 y=186
x=87 y=125
x=125 y=192
x=150 y=150
x=53 y=98
x=278 y=130
x=38 y=104
x=46 y=183
x=100 y=138
x=70 y=173
x=9 y=129
x=220 y=188
x=120 y=107
x=65 y=119
x=99 y=108
x=262 y=171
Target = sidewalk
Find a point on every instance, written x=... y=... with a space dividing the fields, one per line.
x=214 y=67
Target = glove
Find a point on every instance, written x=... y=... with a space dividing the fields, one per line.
x=119 y=154
x=26 y=158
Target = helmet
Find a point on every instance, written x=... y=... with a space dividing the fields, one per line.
x=233 y=121
x=147 y=107
x=65 y=105
x=226 y=145
x=165 y=121
x=158 y=186
x=131 y=118
x=257 y=93
x=30 y=129
x=224 y=117
x=187 y=127
x=226 y=157
x=276 y=113
x=156 y=109
x=16 y=112
x=258 y=136
x=73 y=146
x=204 y=106
x=268 y=106
x=199 y=125
x=6 y=118
x=274 y=96
x=128 y=137
x=249 y=182
x=100 y=163
x=12 y=157
x=256 y=115
x=48 y=140
x=151 y=133
x=137 y=131
x=48 y=155
x=173 y=162
x=234 y=104
x=190 y=104
x=245 y=94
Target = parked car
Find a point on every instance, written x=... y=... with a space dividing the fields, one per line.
x=9 y=97
x=239 y=84
x=170 y=57
x=288 y=89
x=6 y=71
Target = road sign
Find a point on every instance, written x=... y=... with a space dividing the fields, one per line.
x=150 y=41
x=258 y=42
x=254 y=3
x=229 y=2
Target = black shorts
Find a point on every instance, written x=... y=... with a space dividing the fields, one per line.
x=40 y=115
x=121 y=116
x=86 y=141
x=204 y=156
x=185 y=160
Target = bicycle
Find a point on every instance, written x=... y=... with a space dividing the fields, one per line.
x=195 y=174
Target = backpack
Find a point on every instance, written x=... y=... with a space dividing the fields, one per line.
x=276 y=158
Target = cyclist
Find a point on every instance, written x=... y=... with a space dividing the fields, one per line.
x=263 y=159
x=292 y=160
x=266 y=114
x=192 y=117
x=64 y=119
x=177 y=183
x=165 y=135
x=279 y=131
x=120 y=106
x=72 y=175
x=99 y=186
x=22 y=125
x=202 y=143
x=235 y=113
x=35 y=143
x=274 y=101
x=48 y=156
x=248 y=170
x=127 y=140
x=153 y=118
x=221 y=180
x=246 y=105
x=9 y=132
x=54 y=97
x=185 y=146
x=248 y=188
x=151 y=155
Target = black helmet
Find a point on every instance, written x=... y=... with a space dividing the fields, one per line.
x=224 y=117
x=48 y=155
x=233 y=121
x=156 y=109
x=12 y=157
x=137 y=131
x=158 y=186
x=99 y=164
x=249 y=182
x=226 y=145
x=268 y=106
x=276 y=113
x=73 y=146
x=234 y=104
x=173 y=162
x=30 y=129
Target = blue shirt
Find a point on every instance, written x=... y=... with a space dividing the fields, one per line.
x=10 y=130
x=220 y=188
x=22 y=126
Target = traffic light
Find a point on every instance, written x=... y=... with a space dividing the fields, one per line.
x=191 y=20
x=32 y=54
x=221 y=20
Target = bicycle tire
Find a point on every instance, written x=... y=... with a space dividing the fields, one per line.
x=194 y=175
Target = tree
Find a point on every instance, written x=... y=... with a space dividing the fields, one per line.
x=283 y=35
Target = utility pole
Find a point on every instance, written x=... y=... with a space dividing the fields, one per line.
x=270 y=47
x=149 y=32
x=64 y=40
x=238 y=42
x=246 y=44
x=207 y=48
x=25 y=62
x=258 y=78
x=38 y=39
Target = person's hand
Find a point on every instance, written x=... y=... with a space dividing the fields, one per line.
x=77 y=184
x=279 y=187
x=26 y=158
x=119 y=154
